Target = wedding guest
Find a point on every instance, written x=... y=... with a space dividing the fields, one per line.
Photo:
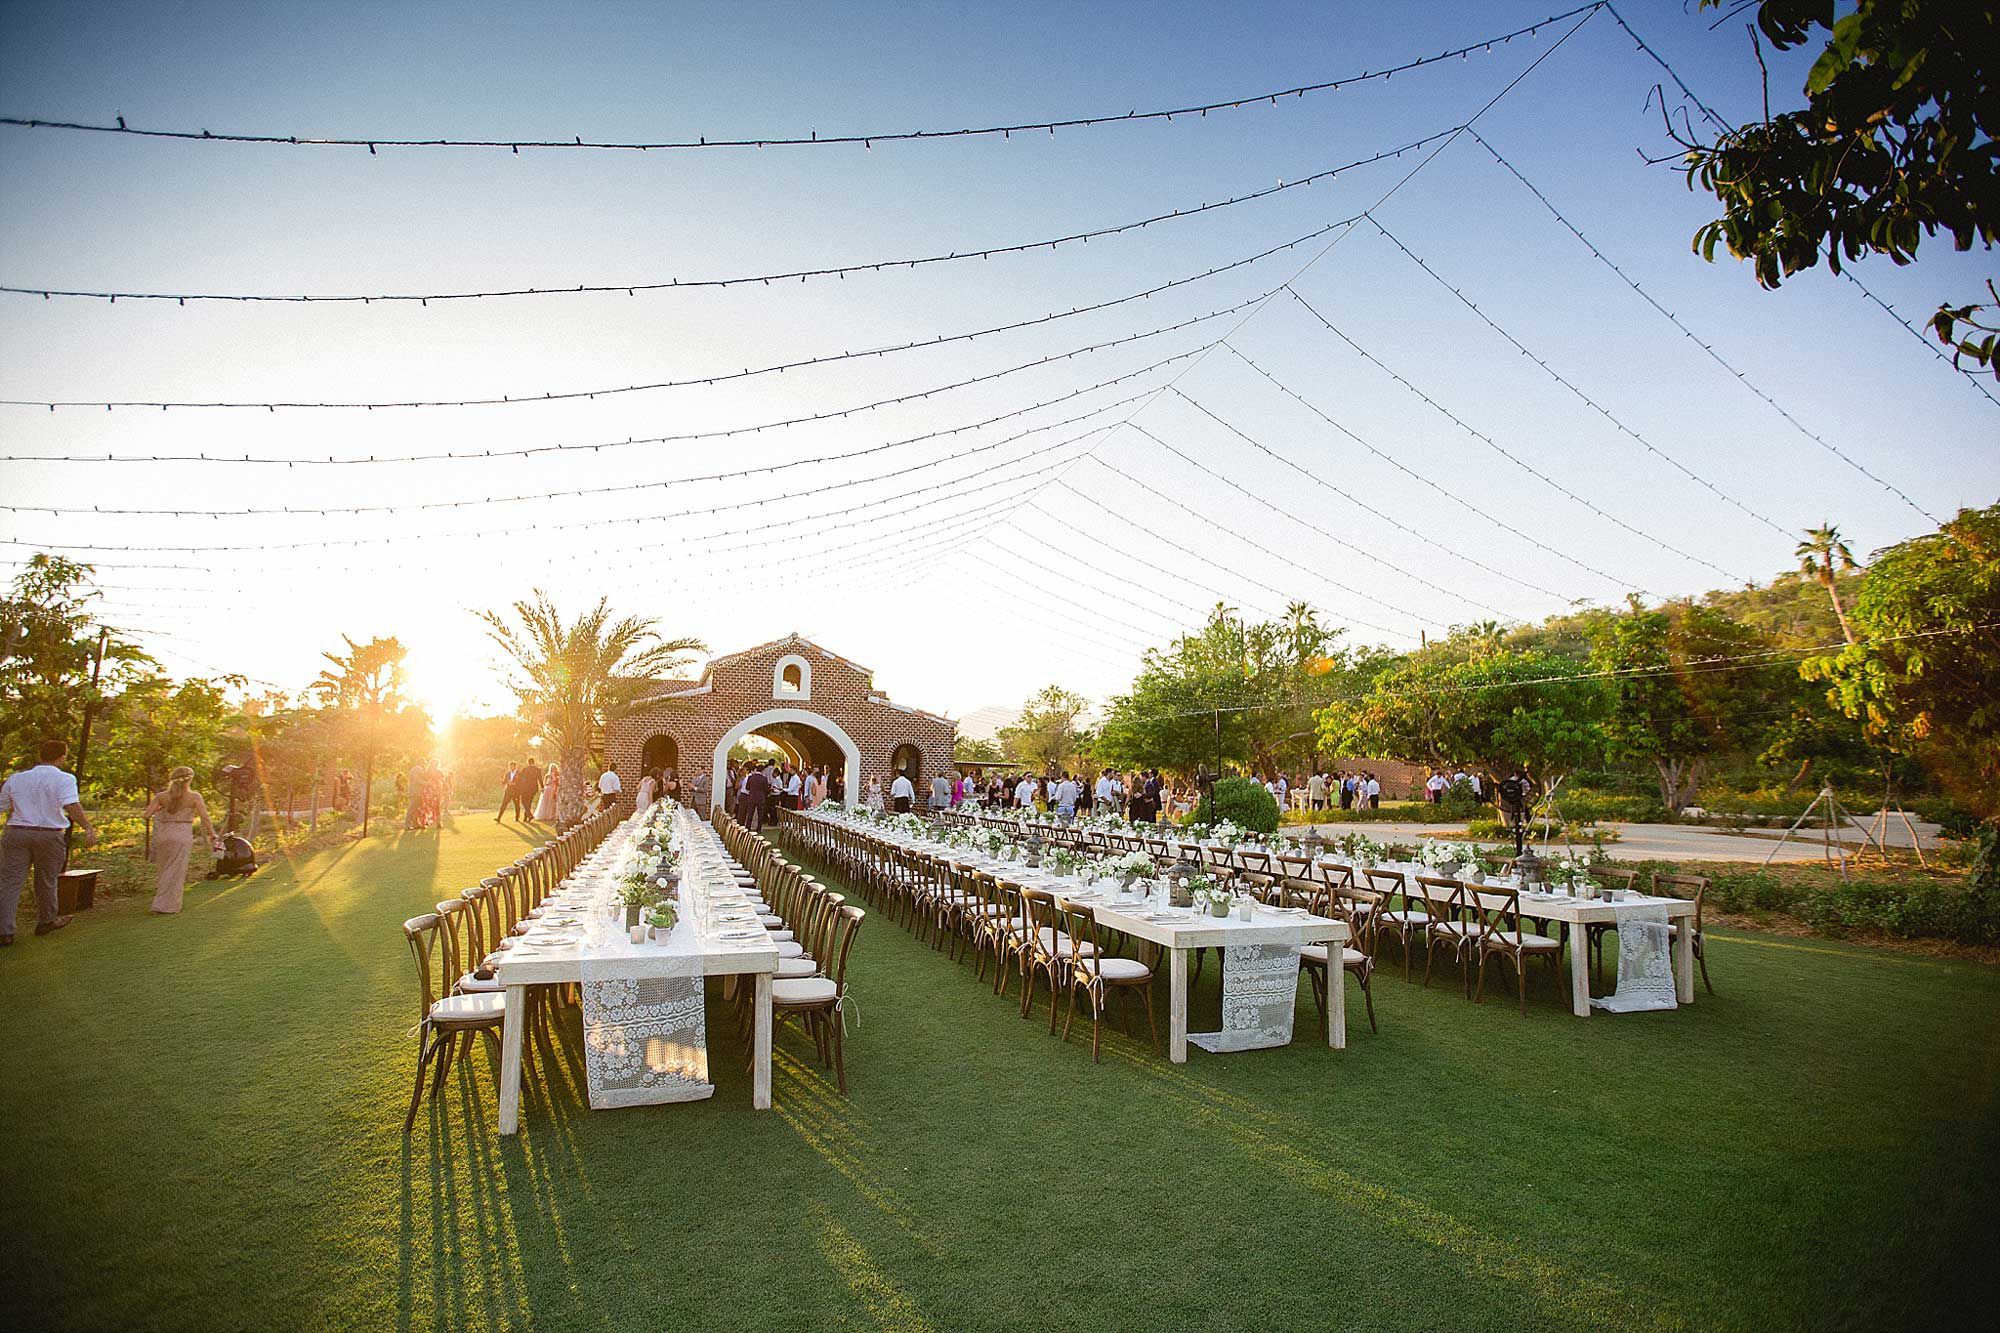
x=608 y=788
x=901 y=793
x=510 y=792
x=648 y=788
x=1064 y=798
x=873 y=800
x=756 y=791
x=530 y=785
x=545 y=809
x=173 y=813
x=940 y=792
x=40 y=804
x=701 y=792
x=670 y=786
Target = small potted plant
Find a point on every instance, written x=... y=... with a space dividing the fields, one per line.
x=637 y=893
x=660 y=917
x=1212 y=896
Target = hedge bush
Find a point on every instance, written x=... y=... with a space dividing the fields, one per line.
x=1241 y=801
x=1965 y=913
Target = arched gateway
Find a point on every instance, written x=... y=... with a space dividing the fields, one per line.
x=819 y=708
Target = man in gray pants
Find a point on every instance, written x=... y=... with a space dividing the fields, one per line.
x=40 y=803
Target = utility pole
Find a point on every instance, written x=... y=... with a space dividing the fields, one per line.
x=89 y=711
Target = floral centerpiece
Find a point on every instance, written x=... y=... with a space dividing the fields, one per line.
x=1207 y=894
x=660 y=916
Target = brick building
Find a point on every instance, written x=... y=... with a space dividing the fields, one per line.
x=817 y=707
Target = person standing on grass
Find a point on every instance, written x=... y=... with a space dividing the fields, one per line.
x=40 y=804
x=510 y=794
x=173 y=813
x=901 y=793
x=609 y=785
x=551 y=787
x=1374 y=792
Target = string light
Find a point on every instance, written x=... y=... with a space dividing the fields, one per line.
x=1675 y=320
x=621 y=488
x=1578 y=393
x=1507 y=454
x=705 y=381
x=746 y=280
x=829 y=415
x=1501 y=523
x=812 y=139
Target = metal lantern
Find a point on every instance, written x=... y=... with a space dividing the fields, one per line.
x=1528 y=867
x=1032 y=846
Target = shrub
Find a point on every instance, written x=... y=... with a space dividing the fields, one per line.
x=1965 y=914
x=1241 y=801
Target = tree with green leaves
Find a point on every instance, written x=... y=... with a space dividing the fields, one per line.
x=365 y=684
x=1821 y=554
x=982 y=750
x=51 y=639
x=1663 y=707
x=1048 y=736
x=1895 y=144
x=1466 y=700
x=573 y=677
x=1923 y=675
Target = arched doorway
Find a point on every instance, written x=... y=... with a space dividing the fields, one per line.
x=660 y=753
x=909 y=761
x=810 y=737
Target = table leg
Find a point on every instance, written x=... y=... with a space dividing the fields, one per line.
x=1684 y=960
x=760 y=1065
x=1336 y=997
x=1579 y=971
x=1177 y=1005
x=510 y=1058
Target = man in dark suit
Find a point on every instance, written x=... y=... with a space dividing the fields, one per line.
x=529 y=783
x=756 y=790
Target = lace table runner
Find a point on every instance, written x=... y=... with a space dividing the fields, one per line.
x=645 y=1031
x=1260 y=983
x=1645 y=963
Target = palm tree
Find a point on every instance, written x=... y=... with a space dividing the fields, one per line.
x=574 y=677
x=1820 y=555
x=368 y=680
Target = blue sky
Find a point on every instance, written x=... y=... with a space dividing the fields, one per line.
x=953 y=614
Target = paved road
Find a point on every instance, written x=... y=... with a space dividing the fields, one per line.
x=1680 y=842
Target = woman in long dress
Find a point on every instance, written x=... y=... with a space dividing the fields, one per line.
x=173 y=813
x=545 y=809
x=646 y=785
x=874 y=801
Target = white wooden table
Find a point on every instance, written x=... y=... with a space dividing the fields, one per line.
x=688 y=949
x=1580 y=913
x=1177 y=938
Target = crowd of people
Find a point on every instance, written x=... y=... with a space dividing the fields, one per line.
x=759 y=790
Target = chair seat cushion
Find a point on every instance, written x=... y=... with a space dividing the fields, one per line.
x=803 y=990
x=789 y=949
x=1456 y=928
x=472 y=981
x=1116 y=969
x=469 y=1008
x=770 y=920
x=781 y=935
x=1514 y=939
x=1316 y=953
x=1407 y=918
x=801 y=966
x=1056 y=942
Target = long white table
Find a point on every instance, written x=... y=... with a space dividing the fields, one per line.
x=693 y=948
x=1177 y=938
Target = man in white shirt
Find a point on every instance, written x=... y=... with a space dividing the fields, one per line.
x=795 y=787
x=1105 y=793
x=1024 y=793
x=1283 y=792
x=608 y=787
x=1435 y=786
x=1065 y=798
x=40 y=804
x=1374 y=793
x=901 y=792
x=1316 y=791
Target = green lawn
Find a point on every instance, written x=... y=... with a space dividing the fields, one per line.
x=206 y=1118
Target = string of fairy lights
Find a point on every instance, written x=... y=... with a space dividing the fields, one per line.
x=990 y=471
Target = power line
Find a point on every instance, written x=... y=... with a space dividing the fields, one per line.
x=570 y=395
x=1579 y=394
x=1205 y=561
x=743 y=280
x=1706 y=347
x=1511 y=457
x=813 y=138
x=1975 y=380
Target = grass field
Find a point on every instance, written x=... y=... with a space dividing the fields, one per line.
x=206 y=1116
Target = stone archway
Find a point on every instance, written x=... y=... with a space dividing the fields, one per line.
x=789 y=718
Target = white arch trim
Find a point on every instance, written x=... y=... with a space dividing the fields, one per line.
x=805 y=718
